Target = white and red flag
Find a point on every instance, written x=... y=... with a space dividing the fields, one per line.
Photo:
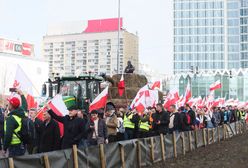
x=187 y=93
x=100 y=101
x=23 y=83
x=148 y=99
x=155 y=85
x=58 y=107
x=121 y=86
x=171 y=98
x=216 y=85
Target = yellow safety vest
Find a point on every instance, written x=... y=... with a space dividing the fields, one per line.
x=15 y=140
x=242 y=115
x=127 y=121
x=144 y=125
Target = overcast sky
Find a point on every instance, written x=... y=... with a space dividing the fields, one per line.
x=153 y=20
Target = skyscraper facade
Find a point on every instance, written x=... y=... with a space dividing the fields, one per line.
x=210 y=35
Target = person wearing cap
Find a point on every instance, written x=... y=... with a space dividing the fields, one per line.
x=111 y=122
x=12 y=125
x=74 y=127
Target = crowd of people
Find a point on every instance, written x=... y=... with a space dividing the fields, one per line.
x=102 y=126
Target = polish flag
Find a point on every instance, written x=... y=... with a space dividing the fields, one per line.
x=155 y=85
x=100 y=101
x=187 y=93
x=215 y=85
x=171 y=98
x=138 y=95
x=58 y=106
x=148 y=99
x=23 y=83
x=121 y=86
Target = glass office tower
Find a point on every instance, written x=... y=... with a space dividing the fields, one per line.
x=210 y=35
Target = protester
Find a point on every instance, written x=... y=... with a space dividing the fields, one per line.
x=33 y=147
x=161 y=120
x=49 y=135
x=74 y=127
x=120 y=127
x=191 y=113
x=129 y=125
x=82 y=115
x=144 y=125
x=2 y=110
x=12 y=141
x=174 y=119
x=112 y=123
x=98 y=133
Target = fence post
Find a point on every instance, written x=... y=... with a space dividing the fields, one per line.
x=102 y=156
x=196 y=139
x=122 y=153
x=139 y=154
x=208 y=136
x=213 y=134
x=183 y=142
x=224 y=131
x=174 y=144
x=190 y=140
x=46 y=160
x=235 y=126
x=11 y=163
x=162 y=146
x=152 y=149
x=218 y=132
x=75 y=156
x=204 y=136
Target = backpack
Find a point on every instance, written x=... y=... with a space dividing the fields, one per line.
x=27 y=133
x=188 y=118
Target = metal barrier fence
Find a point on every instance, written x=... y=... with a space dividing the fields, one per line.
x=132 y=153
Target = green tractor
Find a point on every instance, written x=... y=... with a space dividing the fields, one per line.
x=76 y=91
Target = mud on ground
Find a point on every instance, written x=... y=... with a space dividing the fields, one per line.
x=231 y=153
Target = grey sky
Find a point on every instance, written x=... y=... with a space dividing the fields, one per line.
x=152 y=19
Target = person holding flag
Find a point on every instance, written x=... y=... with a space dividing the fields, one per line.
x=74 y=127
x=12 y=125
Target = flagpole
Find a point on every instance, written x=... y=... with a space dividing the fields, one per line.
x=118 y=47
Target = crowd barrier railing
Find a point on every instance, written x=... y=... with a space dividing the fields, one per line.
x=134 y=153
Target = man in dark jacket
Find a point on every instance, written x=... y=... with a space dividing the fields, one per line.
x=50 y=135
x=2 y=110
x=74 y=129
x=13 y=126
x=192 y=116
x=161 y=120
x=98 y=133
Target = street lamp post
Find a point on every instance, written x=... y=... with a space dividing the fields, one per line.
x=118 y=47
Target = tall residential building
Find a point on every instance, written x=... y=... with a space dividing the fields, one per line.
x=89 y=46
x=210 y=34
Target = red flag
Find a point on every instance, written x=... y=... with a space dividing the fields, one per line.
x=100 y=101
x=121 y=86
x=156 y=85
x=215 y=85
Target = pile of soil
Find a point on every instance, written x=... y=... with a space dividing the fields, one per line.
x=226 y=154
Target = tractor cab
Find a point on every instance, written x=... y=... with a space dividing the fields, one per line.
x=79 y=91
